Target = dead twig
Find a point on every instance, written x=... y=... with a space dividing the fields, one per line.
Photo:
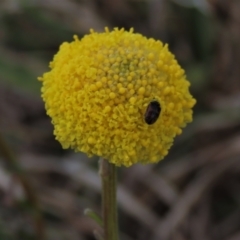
x=192 y=194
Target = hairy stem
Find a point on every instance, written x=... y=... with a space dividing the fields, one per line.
x=108 y=173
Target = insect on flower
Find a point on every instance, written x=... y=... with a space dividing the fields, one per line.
x=115 y=70
x=152 y=113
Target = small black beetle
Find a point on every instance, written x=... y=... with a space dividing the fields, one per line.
x=152 y=113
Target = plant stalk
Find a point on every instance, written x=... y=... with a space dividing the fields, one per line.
x=108 y=173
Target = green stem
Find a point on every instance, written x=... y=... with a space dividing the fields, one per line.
x=90 y=213
x=108 y=173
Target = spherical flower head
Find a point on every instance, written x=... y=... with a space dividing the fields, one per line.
x=118 y=95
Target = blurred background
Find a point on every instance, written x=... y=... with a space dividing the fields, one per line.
x=194 y=194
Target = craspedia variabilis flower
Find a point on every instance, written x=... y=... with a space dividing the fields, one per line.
x=103 y=91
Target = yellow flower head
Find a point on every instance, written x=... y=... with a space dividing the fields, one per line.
x=117 y=95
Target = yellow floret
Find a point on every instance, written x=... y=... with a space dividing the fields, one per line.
x=98 y=90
